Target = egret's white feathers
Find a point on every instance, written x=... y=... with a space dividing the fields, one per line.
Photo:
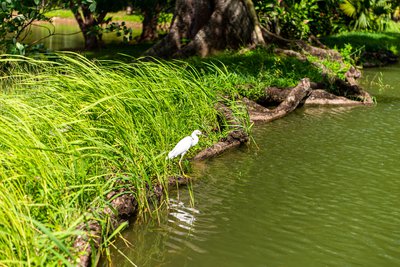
x=181 y=147
x=184 y=145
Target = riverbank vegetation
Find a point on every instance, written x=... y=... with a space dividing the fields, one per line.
x=74 y=130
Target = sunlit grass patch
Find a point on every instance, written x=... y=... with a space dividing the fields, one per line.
x=248 y=74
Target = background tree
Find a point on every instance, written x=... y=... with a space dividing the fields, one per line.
x=91 y=14
x=368 y=14
x=151 y=11
x=299 y=19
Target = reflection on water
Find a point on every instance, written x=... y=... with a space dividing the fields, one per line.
x=184 y=217
x=65 y=34
x=321 y=188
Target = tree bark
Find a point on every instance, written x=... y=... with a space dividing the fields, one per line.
x=203 y=27
x=150 y=23
x=87 y=22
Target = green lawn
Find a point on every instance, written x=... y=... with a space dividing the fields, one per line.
x=366 y=41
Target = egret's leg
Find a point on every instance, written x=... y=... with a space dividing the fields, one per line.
x=180 y=164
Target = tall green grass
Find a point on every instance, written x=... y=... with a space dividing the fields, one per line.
x=71 y=128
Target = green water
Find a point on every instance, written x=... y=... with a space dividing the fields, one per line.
x=65 y=34
x=320 y=188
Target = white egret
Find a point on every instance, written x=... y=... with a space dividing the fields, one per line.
x=183 y=146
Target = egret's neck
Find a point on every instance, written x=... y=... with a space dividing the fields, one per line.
x=195 y=139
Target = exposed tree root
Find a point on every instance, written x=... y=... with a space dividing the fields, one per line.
x=291 y=100
x=305 y=93
x=274 y=96
x=234 y=138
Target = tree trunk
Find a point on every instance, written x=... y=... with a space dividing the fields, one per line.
x=91 y=41
x=88 y=22
x=150 y=23
x=204 y=26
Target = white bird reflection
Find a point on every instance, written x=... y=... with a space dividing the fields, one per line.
x=184 y=219
x=186 y=216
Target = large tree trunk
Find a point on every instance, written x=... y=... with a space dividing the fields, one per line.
x=204 y=26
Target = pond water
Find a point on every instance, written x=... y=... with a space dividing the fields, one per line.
x=319 y=188
x=67 y=35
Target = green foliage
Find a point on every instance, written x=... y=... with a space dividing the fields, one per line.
x=348 y=54
x=365 y=41
x=121 y=30
x=368 y=14
x=248 y=74
x=295 y=22
x=329 y=19
x=72 y=130
x=15 y=17
x=298 y=19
